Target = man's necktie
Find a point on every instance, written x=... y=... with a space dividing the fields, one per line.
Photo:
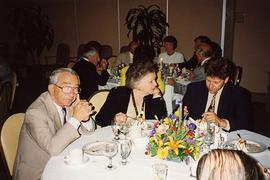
x=64 y=111
x=212 y=104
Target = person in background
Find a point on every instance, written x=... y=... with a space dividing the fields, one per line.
x=217 y=51
x=230 y=104
x=223 y=164
x=140 y=98
x=143 y=53
x=203 y=54
x=192 y=62
x=127 y=57
x=51 y=123
x=92 y=71
x=170 y=56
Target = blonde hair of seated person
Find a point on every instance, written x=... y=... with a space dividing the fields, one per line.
x=222 y=164
x=159 y=79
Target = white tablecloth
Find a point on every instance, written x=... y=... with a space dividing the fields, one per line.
x=139 y=165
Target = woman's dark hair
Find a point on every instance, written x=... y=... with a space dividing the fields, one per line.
x=219 y=67
x=171 y=39
x=138 y=70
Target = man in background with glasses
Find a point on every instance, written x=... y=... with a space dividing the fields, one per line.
x=51 y=123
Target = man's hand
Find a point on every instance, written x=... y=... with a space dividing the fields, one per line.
x=212 y=117
x=103 y=64
x=81 y=109
x=120 y=118
x=171 y=81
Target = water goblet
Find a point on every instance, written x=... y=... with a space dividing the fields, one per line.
x=125 y=150
x=124 y=129
x=209 y=138
x=116 y=130
x=111 y=150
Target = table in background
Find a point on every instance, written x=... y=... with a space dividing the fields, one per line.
x=139 y=165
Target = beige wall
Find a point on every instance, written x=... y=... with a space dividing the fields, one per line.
x=251 y=45
x=97 y=20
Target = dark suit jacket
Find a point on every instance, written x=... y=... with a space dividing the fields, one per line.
x=89 y=77
x=117 y=101
x=234 y=104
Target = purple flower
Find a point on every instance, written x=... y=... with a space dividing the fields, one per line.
x=173 y=117
x=190 y=141
x=192 y=126
x=165 y=139
x=153 y=131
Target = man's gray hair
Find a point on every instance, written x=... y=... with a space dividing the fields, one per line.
x=55 y=74
x=90 y=52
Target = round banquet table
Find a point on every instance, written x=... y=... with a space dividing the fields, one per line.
x=139 y=165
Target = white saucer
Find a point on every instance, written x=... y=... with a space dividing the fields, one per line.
x=70 y=163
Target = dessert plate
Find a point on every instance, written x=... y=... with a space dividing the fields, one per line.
x=96 y=148
x=251 y=146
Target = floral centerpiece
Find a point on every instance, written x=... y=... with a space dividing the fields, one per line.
x=174 y=139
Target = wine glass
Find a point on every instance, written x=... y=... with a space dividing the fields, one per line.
x=210 y=135
x=125 y=150
x=124 y=129
x=116 y=130
x=111 y=150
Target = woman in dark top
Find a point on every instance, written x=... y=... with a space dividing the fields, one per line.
x=139 y=98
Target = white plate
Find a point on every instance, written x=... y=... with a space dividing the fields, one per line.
x=70 y=163
x=252 y=146
x=96 y=148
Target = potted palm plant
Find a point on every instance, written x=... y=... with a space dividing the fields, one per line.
x=148 y=25
x=32 y=29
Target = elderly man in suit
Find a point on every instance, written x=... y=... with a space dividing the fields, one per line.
x=217 y=100
x=51 y=123
x=92 y=72
x=203 y=54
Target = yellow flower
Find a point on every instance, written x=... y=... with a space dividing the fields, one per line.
x=159 y=143
x=174 y=145
x=168 y=121
x=162 y=153
x=197 y=152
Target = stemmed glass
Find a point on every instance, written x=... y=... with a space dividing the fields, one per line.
x=210 y=135
x=124 y=128
x=116 y=130
x=125 y=150
x=111 y=150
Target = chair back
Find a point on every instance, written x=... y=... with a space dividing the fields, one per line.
x=237 y=75
x=5 y=99
x=98 y=99
x=111 y=62
x=10 y=137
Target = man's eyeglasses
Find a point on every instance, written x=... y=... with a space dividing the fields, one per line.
x=69 y=89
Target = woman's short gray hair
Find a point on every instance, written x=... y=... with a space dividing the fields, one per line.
x=53 y=79
x=138 y=70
